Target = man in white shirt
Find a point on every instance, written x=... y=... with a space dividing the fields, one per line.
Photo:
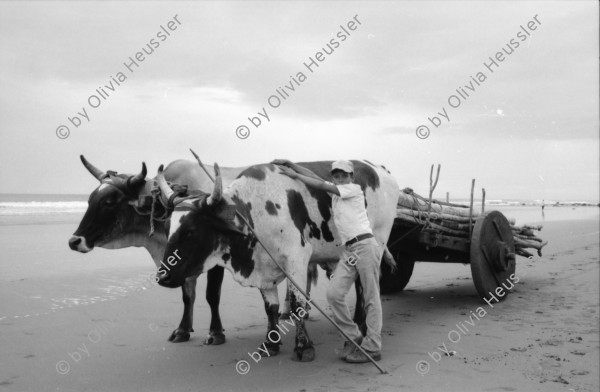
x=361 y=256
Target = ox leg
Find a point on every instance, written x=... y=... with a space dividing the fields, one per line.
x=182 y=333
x=360 y=316
x=213 y=297
x=286 y=312
x=303 y=350
x=285 y=309
x=271 y=345
x=312 y=276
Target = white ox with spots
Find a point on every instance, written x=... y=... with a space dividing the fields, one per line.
x=293 y=221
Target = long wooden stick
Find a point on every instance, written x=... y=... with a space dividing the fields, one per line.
x=432 y=186
x=471 y=207
x=482 y=200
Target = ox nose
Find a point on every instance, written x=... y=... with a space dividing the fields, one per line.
x=74 y=242
x=78 y=243
x=164 y=278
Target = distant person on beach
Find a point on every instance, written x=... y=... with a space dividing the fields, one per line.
x=543 y=206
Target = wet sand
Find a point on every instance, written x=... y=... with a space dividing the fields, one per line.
x=88 y=317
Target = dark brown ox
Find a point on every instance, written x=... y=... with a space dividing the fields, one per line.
x=293 y=222
x=118 y=217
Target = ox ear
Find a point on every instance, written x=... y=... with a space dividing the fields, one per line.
x=220 y=218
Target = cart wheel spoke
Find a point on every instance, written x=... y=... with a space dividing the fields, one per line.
x=498 y=230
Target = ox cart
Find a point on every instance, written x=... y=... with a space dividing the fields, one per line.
x=435 y=231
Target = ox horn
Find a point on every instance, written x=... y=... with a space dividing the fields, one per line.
x=165 y=191
x=217 y=192
x=99 y=174
x=139 y=179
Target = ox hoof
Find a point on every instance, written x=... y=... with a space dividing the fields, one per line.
x=179 y=335
x=215 y=339
x=272 y=349
x=306 y=354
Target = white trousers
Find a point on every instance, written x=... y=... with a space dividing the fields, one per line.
x=361 y=259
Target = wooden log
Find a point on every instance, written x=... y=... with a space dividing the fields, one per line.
x=461 y=230
x=408 y=211
x=529 y=244
x=421 y=218
x=443 y=229
x=450 y=227
x=454 y=225
x=423 y=215
x=443 y=216
x=520 y=230
x=410 y=192
x=522 y=252
x=538 y=227
x=409 y=218
x=413 y=203
x=527 y=237
x=526 y=230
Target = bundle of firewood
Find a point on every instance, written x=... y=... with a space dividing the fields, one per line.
x=458 y=220
x=525 y=238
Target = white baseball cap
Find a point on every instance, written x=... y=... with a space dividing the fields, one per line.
x=345 y=166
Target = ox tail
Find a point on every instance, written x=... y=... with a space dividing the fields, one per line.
x=389 y=259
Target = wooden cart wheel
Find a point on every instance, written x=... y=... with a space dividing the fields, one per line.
x=394 y=282
x=492 y=255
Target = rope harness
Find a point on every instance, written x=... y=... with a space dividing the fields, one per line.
x=180 y=191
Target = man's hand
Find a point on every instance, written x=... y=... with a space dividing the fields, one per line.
x=310 y=181
x=282 y=162
x=297 y=168
x=288 y=172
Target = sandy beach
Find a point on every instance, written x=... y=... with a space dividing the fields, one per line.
x=82 y=322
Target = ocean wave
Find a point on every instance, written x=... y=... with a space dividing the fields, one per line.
x=41 y=207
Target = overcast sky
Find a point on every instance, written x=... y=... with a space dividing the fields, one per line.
x=529 y=127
